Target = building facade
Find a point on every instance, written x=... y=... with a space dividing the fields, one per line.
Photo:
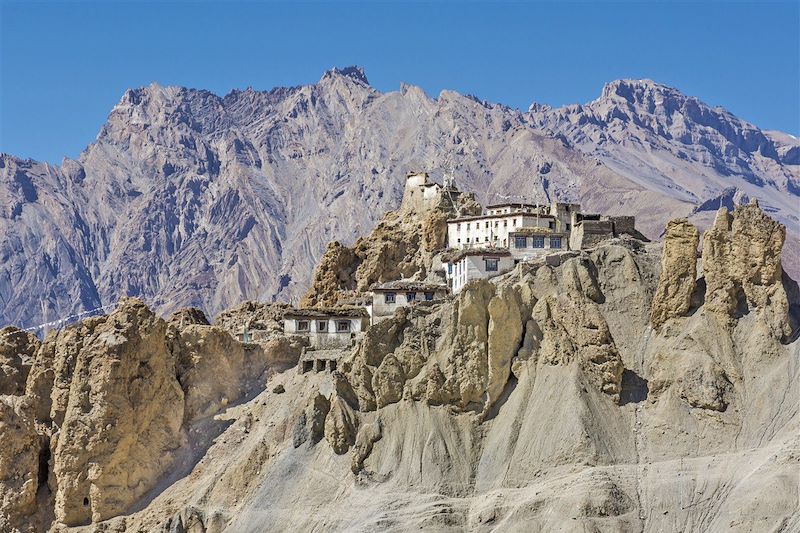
x=327 y=328
x=500 y=220
x=476 y=263
x=390 y=296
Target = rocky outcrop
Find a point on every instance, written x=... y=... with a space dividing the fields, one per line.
x=334 y=273
x=17 y=350
x=495 y=406
x=506 y=322
x=105 y=411
x=401 y=246
x=19 y=463
x=677 y=281
x=254 y=316
x=310 y=425
x=573 y=331
x=122 y=416
x=186 y=317
x=367 y=436
x=341 y=425
x=742 y=267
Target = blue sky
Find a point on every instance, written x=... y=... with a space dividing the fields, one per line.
x=63 y=65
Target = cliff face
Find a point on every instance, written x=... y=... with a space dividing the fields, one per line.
x=115 y=405
x=541 y=399
x=187 y=198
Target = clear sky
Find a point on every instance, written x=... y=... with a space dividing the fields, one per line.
x=65 y=64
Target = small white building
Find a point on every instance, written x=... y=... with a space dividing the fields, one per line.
x=333 y=327
x=390 y=296
x=476 y=263
x=493 y=227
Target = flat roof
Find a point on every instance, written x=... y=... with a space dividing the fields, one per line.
x=458 y=254
x=498 y=215
x=511 y=204
x=535 y=231
x=327 y=312
x=409 y=285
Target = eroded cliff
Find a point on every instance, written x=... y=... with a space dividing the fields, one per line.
x=602 y=391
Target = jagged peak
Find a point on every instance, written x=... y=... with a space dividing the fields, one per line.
x=638 y=91
x=352 y=72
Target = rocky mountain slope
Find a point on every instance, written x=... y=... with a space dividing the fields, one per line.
x=615 y=391
x=187 y=198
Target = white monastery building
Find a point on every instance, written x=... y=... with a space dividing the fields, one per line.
x=390 y=296
x=334 y=327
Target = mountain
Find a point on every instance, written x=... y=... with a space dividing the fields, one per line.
x=187 y=198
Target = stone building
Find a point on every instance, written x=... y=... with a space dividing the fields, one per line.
x=591 y=230
x=333 y=327
x=475 y=263
x=390 y=296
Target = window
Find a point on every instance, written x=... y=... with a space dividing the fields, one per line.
x=505 y=223
x=491 y=265
x=429 y=296
x=486 y=239
x=388 y=298
x=551 y=224
x=458 y=241
x=458 y=226
x=342 y=325
x=486 y=225
x=467 y=239
x=567 y=226
x=555 y=242
x=322 y=326
x=520 y=242
x=538 y=242
x=302 y=325
x=411 y=296
x=514 y=222
x=450 y=268
x=467 y=226
x=495 y=237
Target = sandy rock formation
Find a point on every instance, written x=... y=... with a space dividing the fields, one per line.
x=574 y=331
x=334 y=272
x=254 y=315
x=17 y=350
x=367 y=436
x=341 y=425
x=122 y=417
x=310 y=425
x=742 y=267
x=506 y=322
x=186 y=317
x=19 y=463
x=677 y=282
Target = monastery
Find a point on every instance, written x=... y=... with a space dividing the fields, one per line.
x=478 y=246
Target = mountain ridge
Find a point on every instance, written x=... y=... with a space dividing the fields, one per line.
x=190 y=198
